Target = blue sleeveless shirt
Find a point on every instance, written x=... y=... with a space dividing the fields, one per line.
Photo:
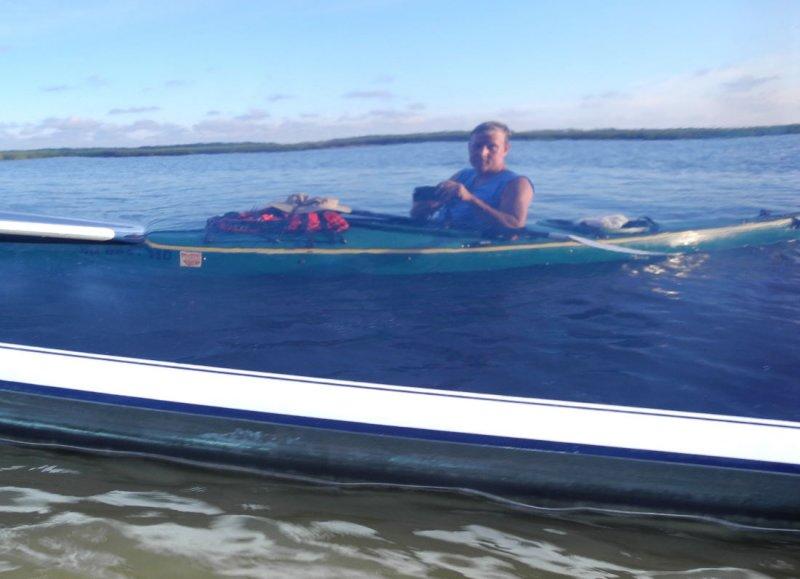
x=465 y=215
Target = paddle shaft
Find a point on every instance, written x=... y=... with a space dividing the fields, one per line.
x=556 y=236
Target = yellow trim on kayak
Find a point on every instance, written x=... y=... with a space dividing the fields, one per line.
x=691 y=237
x=355 y=250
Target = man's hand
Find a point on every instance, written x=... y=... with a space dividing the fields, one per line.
x=446 y=191
x=450 y=190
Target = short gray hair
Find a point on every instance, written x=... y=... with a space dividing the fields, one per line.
x=489 y=126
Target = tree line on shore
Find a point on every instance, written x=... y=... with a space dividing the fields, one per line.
x=541 y=135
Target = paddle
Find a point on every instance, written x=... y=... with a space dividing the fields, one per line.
x=554 y=235
x=600 y=245
x=387 y=217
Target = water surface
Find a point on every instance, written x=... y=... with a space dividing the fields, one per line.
x=708 y=332
x=69 y=515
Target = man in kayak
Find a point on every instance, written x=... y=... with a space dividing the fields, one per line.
x=487 y=196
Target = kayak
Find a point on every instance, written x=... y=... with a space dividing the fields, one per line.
x=540 y=451
x=375 y=245
x=408 y=249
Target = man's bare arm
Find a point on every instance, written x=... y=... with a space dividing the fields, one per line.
x=515 y=201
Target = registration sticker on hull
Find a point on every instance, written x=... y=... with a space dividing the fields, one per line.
x=191 y=259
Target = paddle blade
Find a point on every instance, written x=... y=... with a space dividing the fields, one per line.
x=606 y=246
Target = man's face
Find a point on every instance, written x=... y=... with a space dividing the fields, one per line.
x=487 y=151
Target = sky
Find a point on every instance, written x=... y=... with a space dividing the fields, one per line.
x=141 y=72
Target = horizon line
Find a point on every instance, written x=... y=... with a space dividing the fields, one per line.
x=223 y=147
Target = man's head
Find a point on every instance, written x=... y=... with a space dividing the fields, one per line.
x=488 y=147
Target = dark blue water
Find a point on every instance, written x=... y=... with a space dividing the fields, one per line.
x=710 y=332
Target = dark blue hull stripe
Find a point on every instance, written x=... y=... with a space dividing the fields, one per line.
x=410 y=433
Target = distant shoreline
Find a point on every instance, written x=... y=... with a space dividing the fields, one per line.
x=546 y=135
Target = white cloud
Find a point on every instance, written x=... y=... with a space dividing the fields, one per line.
x=748 y=82
x=391 y=114
x=369 y=94
x=177 y=83
x=133 y=110
x=93 y=81
x=255 y=126
x=760 y=92
x=57 y=87
x=86 y=132
x=253 y=115
x=279 y=96
x=384 y=79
